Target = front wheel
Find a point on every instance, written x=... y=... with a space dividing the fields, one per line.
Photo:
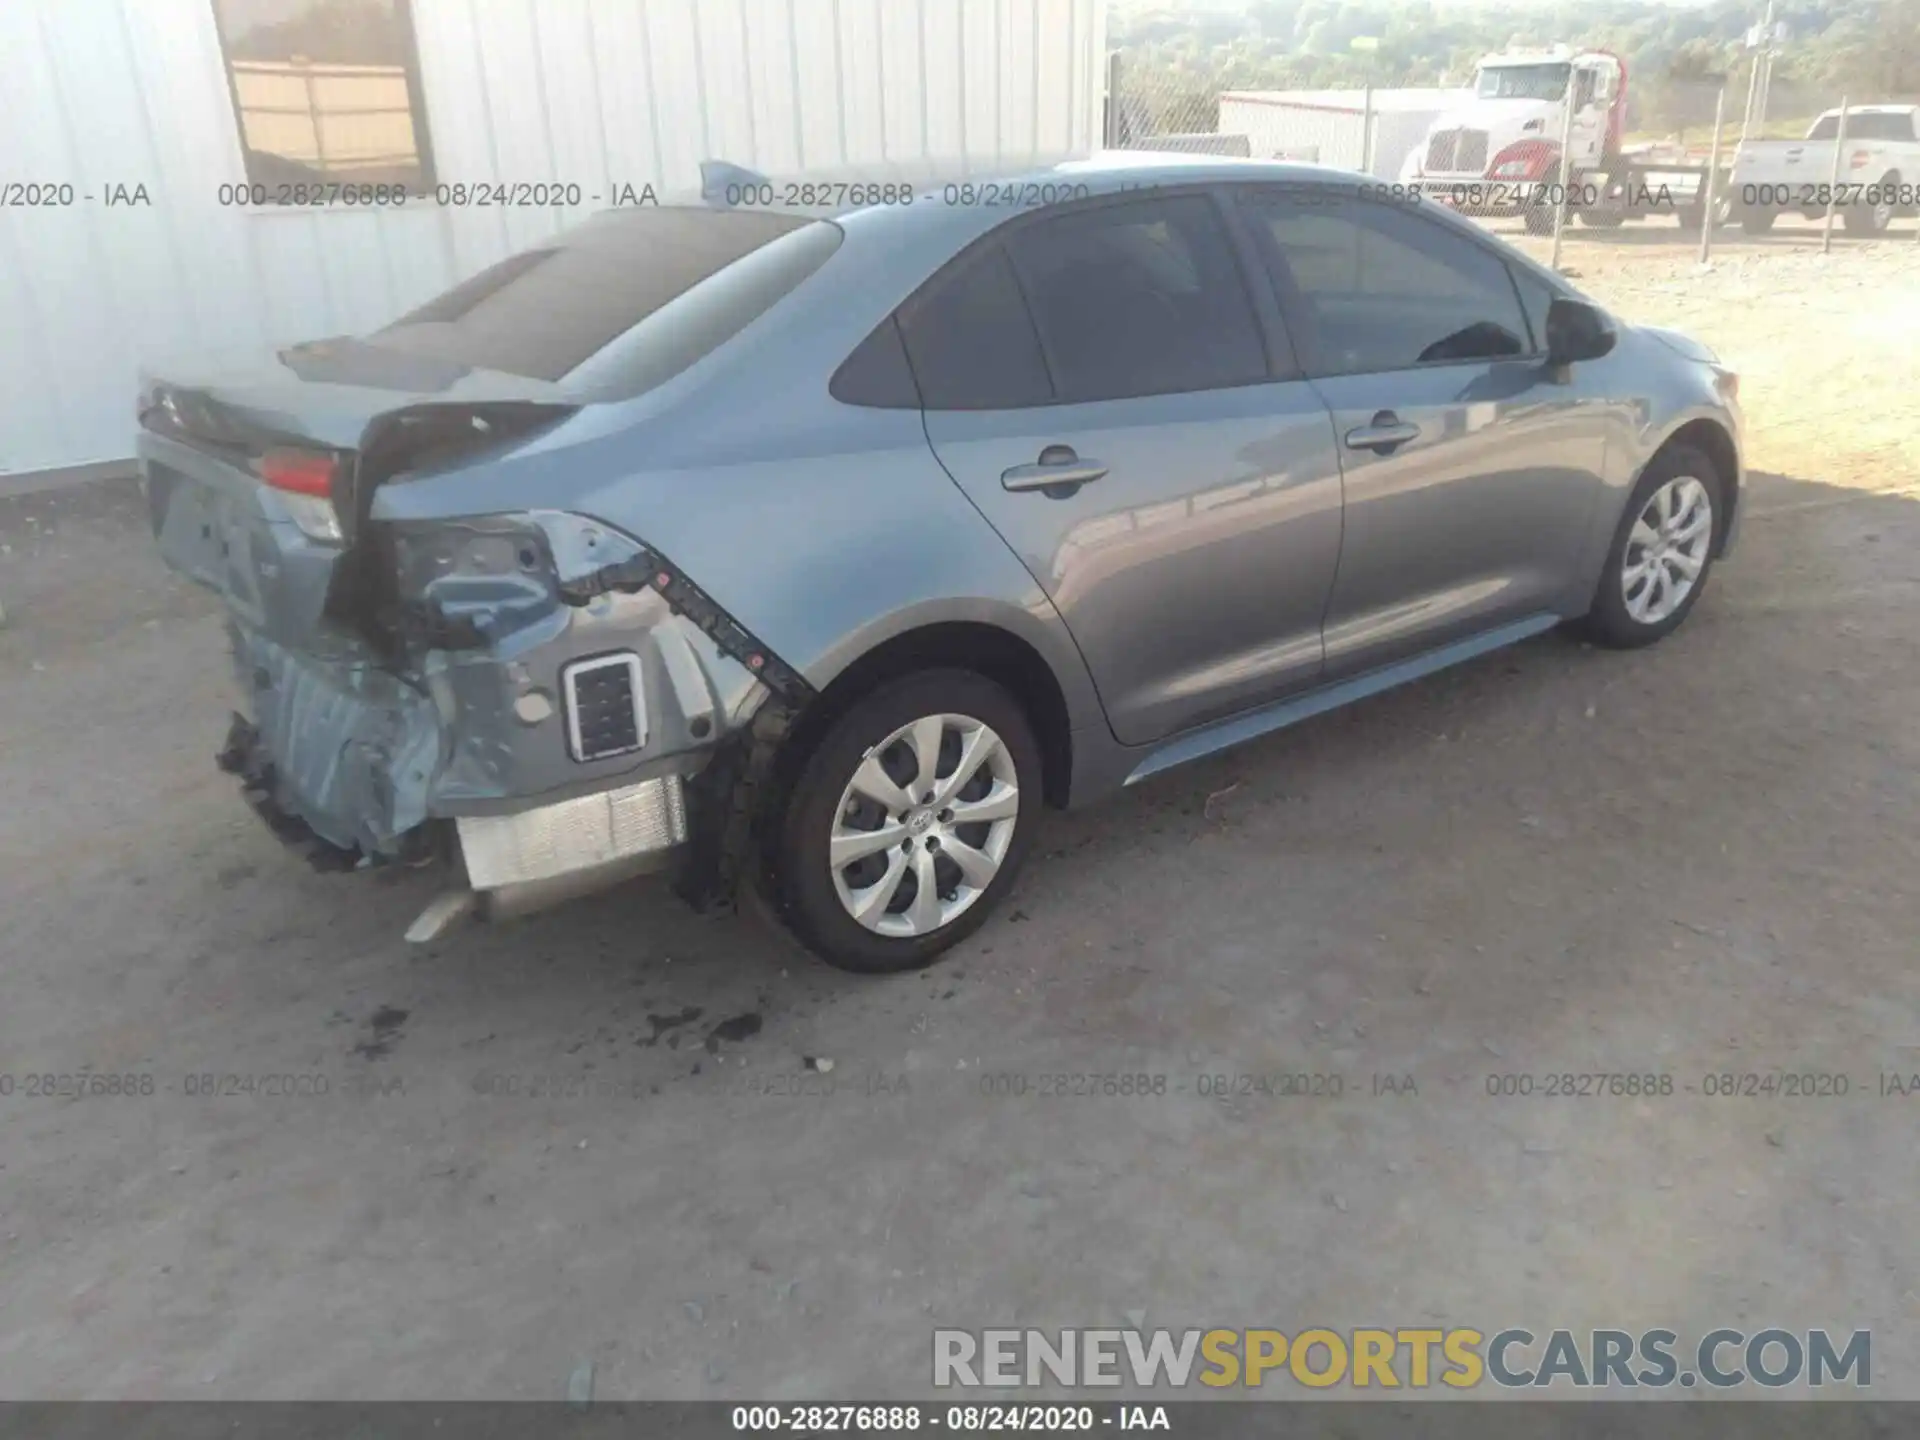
x=1661 y=555
x=908 y=821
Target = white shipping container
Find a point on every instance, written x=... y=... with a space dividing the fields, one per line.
x=118 y=121
x=1329 y=126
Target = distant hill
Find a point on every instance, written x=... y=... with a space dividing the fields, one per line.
x=1866 y=49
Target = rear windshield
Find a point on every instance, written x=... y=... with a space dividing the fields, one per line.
x=1870 y=125
x=546 y=311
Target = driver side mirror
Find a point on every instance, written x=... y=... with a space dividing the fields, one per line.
x=1577 y=331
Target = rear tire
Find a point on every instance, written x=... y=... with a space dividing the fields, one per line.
x=1661 y=554
x=1757 y=222
x=1538 y=219
x=1872 y=218
x=911 y=761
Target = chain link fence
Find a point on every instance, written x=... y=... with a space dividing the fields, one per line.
x=1501 y=146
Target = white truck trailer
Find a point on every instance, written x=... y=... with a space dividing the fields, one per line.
x=1332 y=127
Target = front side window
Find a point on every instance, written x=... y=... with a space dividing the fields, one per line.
x=1536 y=298
x=326 y=93
x=1139 y=298
x=1384 y=288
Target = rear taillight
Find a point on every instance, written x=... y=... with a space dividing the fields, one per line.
x=304 y=482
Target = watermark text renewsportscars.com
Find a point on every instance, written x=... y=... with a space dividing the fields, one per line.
x=1415 y=1358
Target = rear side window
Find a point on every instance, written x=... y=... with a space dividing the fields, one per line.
x=1139 y=298
x=543 y=313
x=971 y=342
x=1384 y=288
x=877 y=372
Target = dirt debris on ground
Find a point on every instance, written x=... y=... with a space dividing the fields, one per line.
x=329 y=1165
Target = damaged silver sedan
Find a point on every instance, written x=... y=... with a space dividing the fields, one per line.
x=819 y=551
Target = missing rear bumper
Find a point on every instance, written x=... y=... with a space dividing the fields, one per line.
x=245 y=756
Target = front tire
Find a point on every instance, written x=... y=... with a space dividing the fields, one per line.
x=908 y=822
x=1662 y=553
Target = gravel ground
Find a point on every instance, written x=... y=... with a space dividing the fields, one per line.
x=1693 y=860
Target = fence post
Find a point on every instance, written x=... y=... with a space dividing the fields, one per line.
x=1833 y=181
x=313 y=112
x=1708 y=197
x=1366 y=130
x=1112 y=137
x=1566 y=171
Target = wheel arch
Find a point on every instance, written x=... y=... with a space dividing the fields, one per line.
x=1717 y=443
x=1008 y=659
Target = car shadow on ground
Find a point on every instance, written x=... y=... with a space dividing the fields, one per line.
x=1539 y=719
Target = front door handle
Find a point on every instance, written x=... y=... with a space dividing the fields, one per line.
x=1058 y=466
x=1384 y=434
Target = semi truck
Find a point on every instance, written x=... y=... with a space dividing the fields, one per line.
x=1498 y=153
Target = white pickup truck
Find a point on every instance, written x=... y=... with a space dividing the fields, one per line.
x=1879 y=173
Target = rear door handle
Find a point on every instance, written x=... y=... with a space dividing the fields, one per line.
x=1058 y=466
x=1384 y=434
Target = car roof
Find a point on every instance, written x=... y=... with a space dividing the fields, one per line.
x=1108 y=171
x=930 y=233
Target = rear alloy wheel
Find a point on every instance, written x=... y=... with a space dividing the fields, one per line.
x=908 y=821
x=1872 y=217
x=1659 y=561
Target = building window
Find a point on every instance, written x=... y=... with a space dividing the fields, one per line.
x=326 y=92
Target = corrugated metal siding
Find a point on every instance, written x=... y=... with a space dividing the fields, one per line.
x=595 y=92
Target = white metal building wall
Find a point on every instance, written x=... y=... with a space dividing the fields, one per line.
x=602 y=93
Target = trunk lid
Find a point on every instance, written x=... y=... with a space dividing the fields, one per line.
x=259 y=485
